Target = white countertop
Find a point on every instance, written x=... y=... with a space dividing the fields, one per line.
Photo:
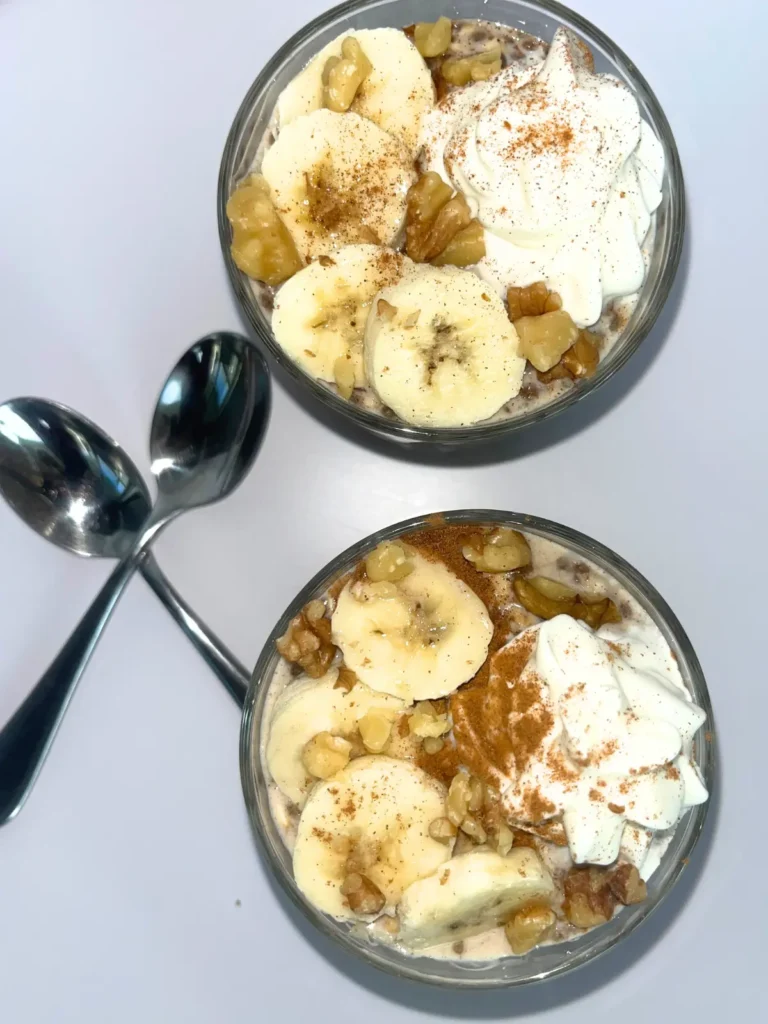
x=130 y=887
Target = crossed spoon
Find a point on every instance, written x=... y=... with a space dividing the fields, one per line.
x=74 y=485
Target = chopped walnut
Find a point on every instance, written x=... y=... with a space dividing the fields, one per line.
x=307 y=642
x=433 y=745
x=579 y=361
x=589 y=900
x=501 y=551
x=466 y=248
x=262 y=246
x=627 y=885
x=388 y=563
x=343 y=76
x=434 y=217
x=442 y=830
x=375 y=729
x=471 y=826
x=363 y=896
x=432 y=39
x=326 y=754
x=478 y=67
x=533 y=300
x=529 y=926
x=425 y=721
x=345 y=680
x=547 y=598
x=505 y=839
x=389 y=924
x=457 y=801
x=544 y=339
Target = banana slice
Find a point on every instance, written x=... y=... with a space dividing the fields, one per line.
x=305 y=708
x=395 y=95
x=336 y=180
x=416 y=639
x=440 y=350
x=377 y=810
x=320 y=313
x=476 y=891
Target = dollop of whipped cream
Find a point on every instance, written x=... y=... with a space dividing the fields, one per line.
x=613 y=728
x=560 y=169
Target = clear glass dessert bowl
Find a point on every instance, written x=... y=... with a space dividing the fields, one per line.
x=543 y=961
x=540 y=19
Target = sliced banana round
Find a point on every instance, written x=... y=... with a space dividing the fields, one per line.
x=376 y=812
x=304 y=709
x=336 y=180
x=395 y=94
x=440 y=350
x=319 y=314
x=472 y=893
x=416 y=639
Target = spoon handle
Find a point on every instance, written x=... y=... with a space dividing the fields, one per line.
x=27 y=737
x=219 y=658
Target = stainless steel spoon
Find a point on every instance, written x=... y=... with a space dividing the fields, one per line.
x=75 y=486
x=207 y=428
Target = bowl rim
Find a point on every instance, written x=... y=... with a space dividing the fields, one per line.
x=398 y=430
x=666 y=620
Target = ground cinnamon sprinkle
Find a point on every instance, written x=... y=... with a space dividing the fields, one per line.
x=488 y=701
x=443 y=543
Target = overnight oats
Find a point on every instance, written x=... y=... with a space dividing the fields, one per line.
x=476 y=743
x=449 y=223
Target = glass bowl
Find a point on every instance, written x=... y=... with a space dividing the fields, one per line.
x=542 y=962
x=541 y=19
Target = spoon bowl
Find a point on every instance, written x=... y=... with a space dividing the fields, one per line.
x=68 y=480
x=208 y=422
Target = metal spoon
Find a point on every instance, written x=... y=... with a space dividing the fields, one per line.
x=76 y=487
x=207 y=427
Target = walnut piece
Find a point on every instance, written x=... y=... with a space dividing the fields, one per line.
x=547 y=598
x=476 y=68
x=326 y=754
x=388 y=563
x=466 y=248
x=375 y=729
x=442 y=830
x=345 y=680
x=501 y=551
x=363 y=896
x=425 y=721
x=471 y=826
x=529 y=926
x=627 y=885
x=434 y=218
x=307 y=643
x=533 y=300
x=262 y=246
x=457 y=800
x=579 y=361
x=432 y=39
x=433 y=745
x=343 y=76
x=589 y=900
x=544 y=339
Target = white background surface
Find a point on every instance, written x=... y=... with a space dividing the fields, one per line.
x=119 y=880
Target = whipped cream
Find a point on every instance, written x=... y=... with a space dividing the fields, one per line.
x=561 y=170
x=615 y=753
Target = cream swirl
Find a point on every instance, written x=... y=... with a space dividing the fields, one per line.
x=614 y=728
x=560 y=169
